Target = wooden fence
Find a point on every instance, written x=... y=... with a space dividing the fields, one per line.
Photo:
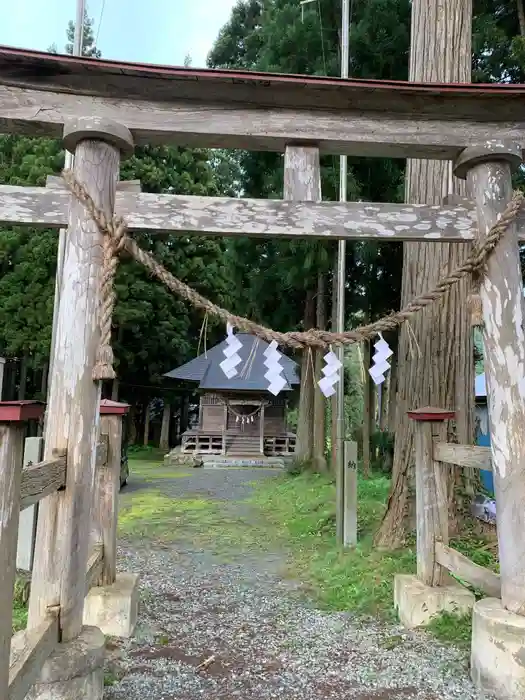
x=433 y=459
x=22 y=655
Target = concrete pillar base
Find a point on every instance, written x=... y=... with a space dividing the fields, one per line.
x=75 y=670
x=498 y=650
x=417 y=604
x=114 y=608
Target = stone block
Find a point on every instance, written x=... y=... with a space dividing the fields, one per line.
x=114 y=608
x=176 y=458
x=417 y=604
x=498 y=650
x=74 y=670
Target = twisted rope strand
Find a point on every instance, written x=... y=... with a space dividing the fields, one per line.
x=116 y=232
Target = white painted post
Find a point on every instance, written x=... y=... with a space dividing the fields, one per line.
x=350 y=494
x=59 y=570
x=488 y=171
x=28 y=517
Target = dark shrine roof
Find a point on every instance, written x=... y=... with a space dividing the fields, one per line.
x=206 y=370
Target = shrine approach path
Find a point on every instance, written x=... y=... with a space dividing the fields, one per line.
x=221 y=618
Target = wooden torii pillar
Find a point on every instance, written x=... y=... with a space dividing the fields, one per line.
x=498 y=634
x=61 y=556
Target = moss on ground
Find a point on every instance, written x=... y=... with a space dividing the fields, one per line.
x=152 y=513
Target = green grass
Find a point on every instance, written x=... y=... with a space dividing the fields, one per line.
x=145 y=453
x=20 y=597
x=19 y=616
x=302 y=510
x=151 y=470
x=454 y=629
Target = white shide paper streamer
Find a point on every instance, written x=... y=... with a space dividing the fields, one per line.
x=331 y=374
x=379 y=360
x=233 y=345
x=274 y=374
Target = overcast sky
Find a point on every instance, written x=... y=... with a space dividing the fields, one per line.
x=151 y=31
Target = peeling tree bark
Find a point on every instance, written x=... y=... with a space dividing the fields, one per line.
x=435 y=359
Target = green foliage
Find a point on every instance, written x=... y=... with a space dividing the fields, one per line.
x=153 y=330
x=20 y=601
x=19 y=616
x=278 y=36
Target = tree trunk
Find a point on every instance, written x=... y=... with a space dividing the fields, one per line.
x=164 y=442
x=184 y=414
x=132 y=424
x=435 y=352
x=114 y=389
x=333 y=402
x=319 y=436
x=366 y=410
x=23 y=378
x=10 y=394
x=146 y=424
x=43 y=382
x=521 y=16
x=392 y=393
x=305 y=419
x=385 y=401
x=43 y=394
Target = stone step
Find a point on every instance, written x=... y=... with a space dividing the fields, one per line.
x=215 y=462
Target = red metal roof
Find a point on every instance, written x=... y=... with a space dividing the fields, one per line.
x=431 y=414
x=108 y=407
x=20 y=411
x=64 y=73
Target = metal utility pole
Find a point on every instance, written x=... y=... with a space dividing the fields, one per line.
x=339 y=416
x=68 y=164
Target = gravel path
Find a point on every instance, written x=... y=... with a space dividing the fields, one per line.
x=221 y=630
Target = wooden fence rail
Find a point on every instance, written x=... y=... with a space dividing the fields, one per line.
x=29 y=650
x=433 y=458
x=23 y=654
x=40 y=480
x=466 y=570
x=469 y=456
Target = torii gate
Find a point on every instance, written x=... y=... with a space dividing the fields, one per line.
x=481 y=128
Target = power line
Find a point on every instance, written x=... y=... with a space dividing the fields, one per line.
x=100 y=21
